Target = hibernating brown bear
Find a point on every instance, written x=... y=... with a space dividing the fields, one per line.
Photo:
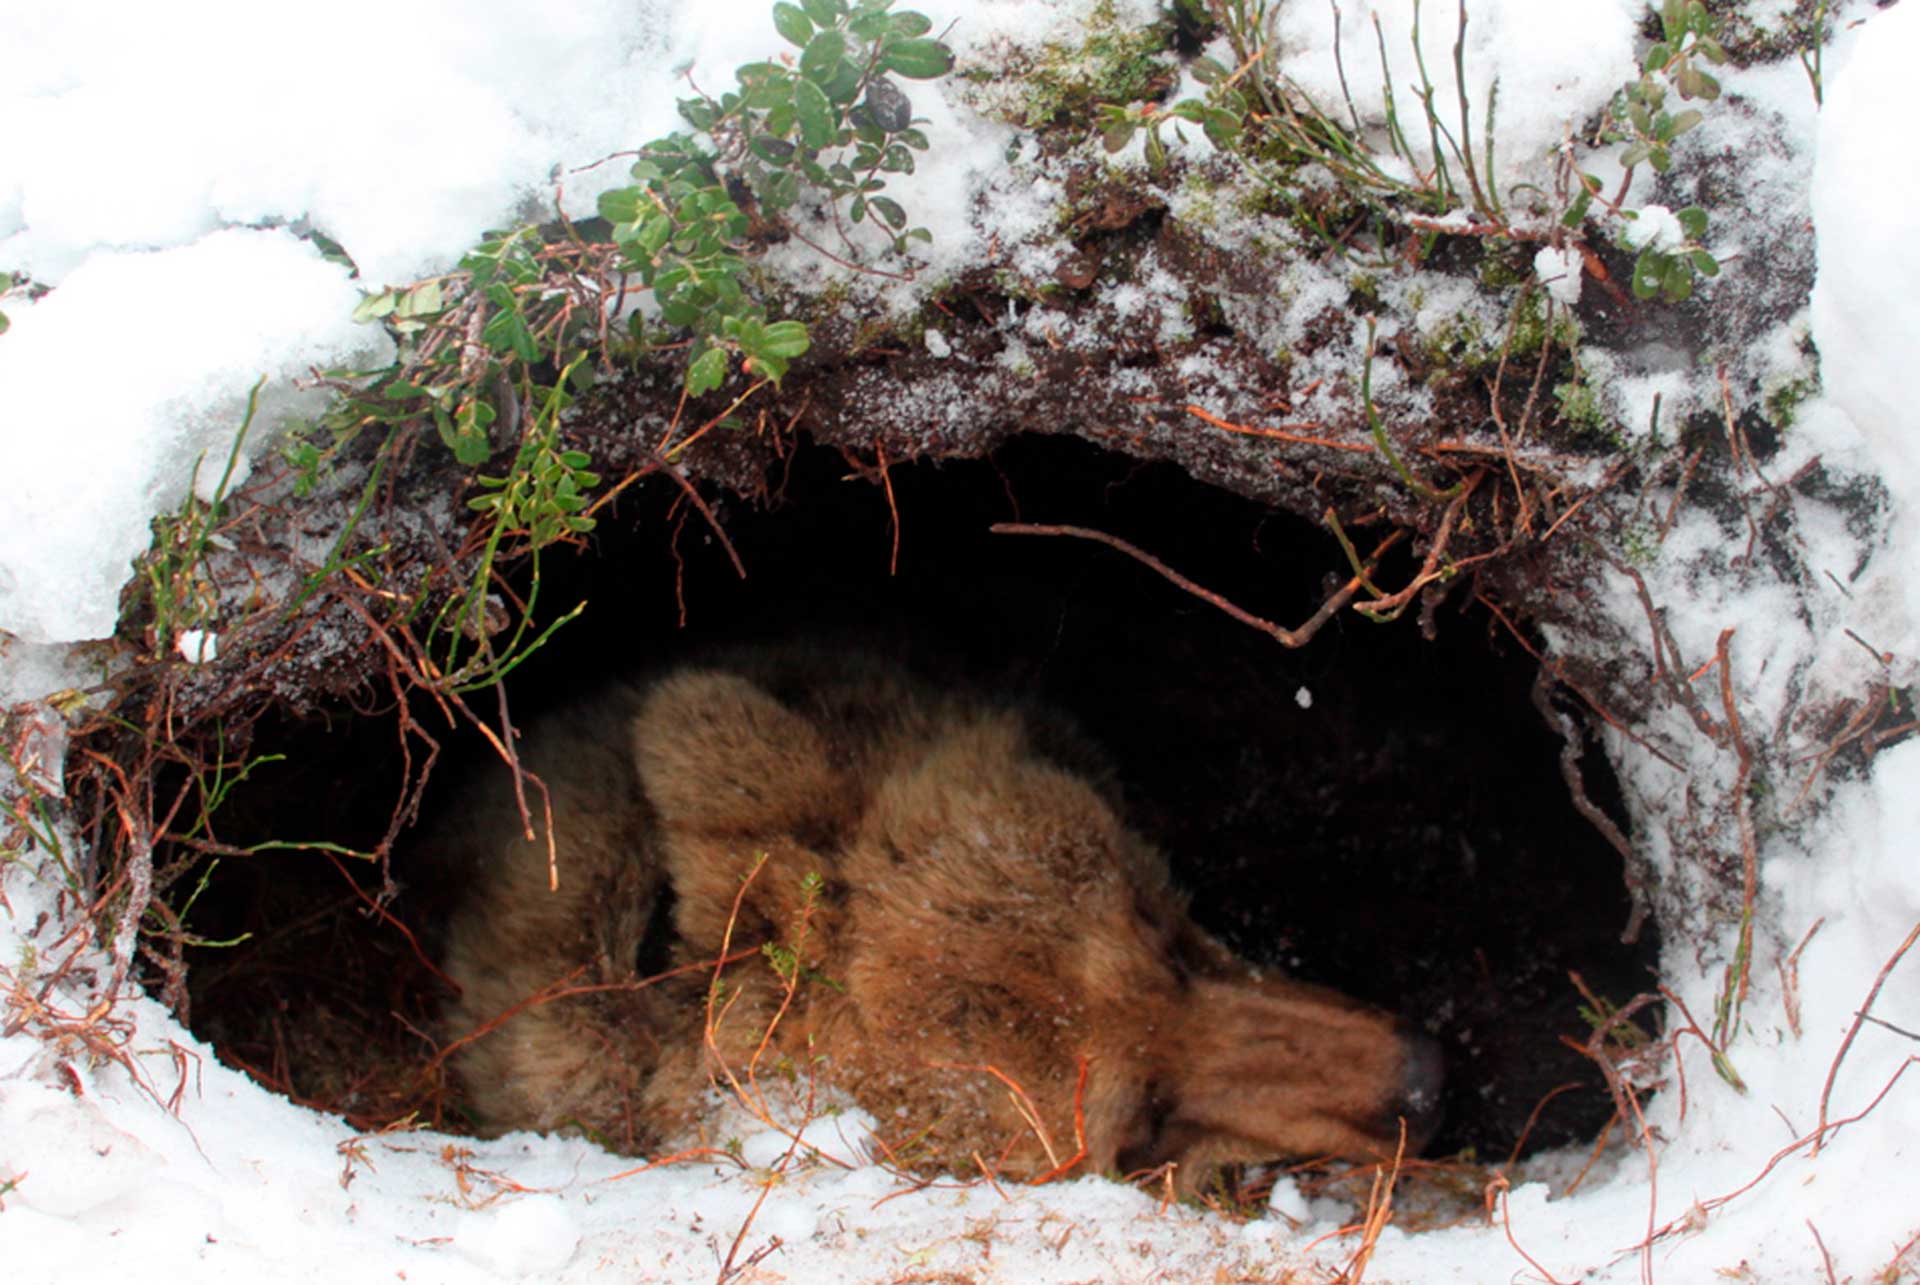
x=962 y=893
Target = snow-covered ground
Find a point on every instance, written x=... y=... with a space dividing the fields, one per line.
x=156 y=166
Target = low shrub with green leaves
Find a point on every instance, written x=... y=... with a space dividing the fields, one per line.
x=493 y=353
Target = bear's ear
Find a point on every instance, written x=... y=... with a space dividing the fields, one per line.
x=719 y=756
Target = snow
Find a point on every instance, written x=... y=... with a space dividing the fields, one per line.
x=1547 y=66
x=120 y=386
x=159 y=168
x=1560 y=272
x=1655 y=227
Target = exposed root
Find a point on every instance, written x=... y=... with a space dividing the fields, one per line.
x=1285 y=637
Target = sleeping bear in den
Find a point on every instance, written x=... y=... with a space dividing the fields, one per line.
x=971 y=898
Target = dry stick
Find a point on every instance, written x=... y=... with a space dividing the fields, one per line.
x=1626 y=1105
x=1614 y=474
x=748 y=1094
x=1826 y=1259
x=1663 y=648
x=673 y=471
x=886 y=481
x=1789 y=970
x=560 y=989
x=1859 y=1018
x=1679 y=493
x=1021 y=1102
x=1501 y=1185
x=1749 y=855
x=416 y=670
x=1281 y=434
x=1632 y=867
x=1379 y=1211
x=1533 y=1118
x=1285 y=637
x=1429 y=569
x=1742 y=455
x=1079 y=1129
x=1708 y=1206
x=1576 y=688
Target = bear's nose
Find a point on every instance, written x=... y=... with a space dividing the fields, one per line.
x=1423 y=1074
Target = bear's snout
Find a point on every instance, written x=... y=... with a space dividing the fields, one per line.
x=1423 y=1076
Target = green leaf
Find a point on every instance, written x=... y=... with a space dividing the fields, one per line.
x=1118 y=133
x=793 y=24
x=822 y=56
x=1649 y=272
x=507 y=332
x=1704 y=263
x=844 y=86
x=918 y=59
x=813 y=113
x=1577 y=212
x=653 y=235
x=909 y=23
x=763 y=363
x=888 y=105
x=1208 y=71
x=823 y=12
x=423 y=300
x=375 y=306
x=1693 y=220
x=1685 y=121
x=889 y=209
x=471 y=445
x=705 y=372
x=697 y=113
x=774 y=151
x=769 y=95
x=621 y=205
x=1656 y=57
x=785 y=339
x=1678 y=284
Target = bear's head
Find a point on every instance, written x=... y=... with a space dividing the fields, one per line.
x=1005 y=928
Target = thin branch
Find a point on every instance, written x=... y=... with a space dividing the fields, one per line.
x=1284 y=636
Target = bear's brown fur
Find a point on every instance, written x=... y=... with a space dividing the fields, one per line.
x=979 y=902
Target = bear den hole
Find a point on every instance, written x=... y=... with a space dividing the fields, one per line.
x=1375 y=812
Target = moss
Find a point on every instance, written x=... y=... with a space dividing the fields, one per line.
x=1640 y=544
x=1502 y=267
x=1580 y=407
x=1531 y=330
x=1116 y=64
x=1459 y=344
x=1783 y=403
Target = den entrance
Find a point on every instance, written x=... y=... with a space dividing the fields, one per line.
x=1378 y=811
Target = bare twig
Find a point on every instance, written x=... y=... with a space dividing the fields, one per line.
x=1285 y=637
x=1859 y=1018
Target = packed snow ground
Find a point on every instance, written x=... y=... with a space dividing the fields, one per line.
x=155 y=168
